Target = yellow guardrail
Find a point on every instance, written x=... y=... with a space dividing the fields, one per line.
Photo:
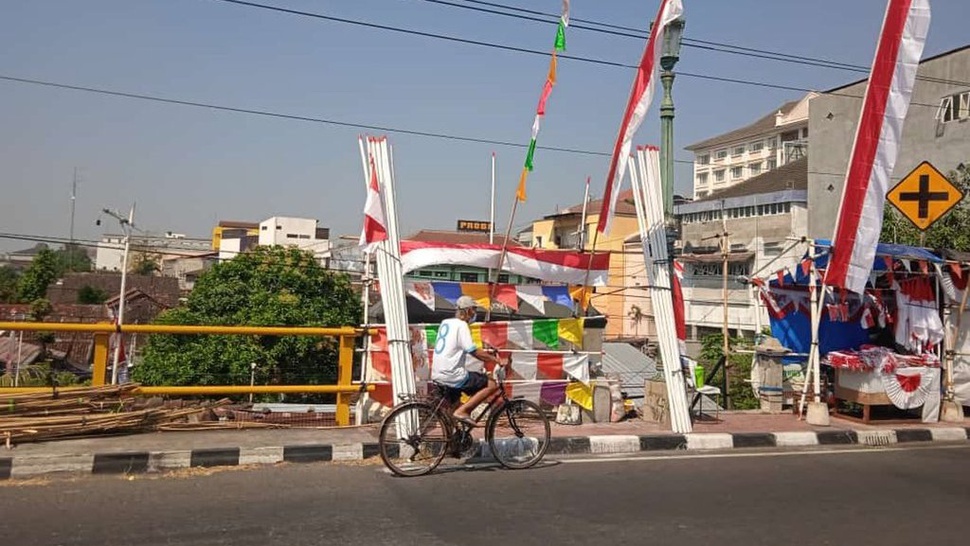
x=343 y=389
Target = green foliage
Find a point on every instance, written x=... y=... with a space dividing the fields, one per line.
x=89 y=295
x=144 y=264
x=39 y=375
x=72 y=258
x=270 y=286
x=739 y=369
x=8 y=284
x=44 y=270
x=950 y=232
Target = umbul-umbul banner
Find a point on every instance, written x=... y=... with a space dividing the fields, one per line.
x=877 y=141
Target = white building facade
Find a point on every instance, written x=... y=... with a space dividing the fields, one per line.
x=770 y=142
x=111 y=250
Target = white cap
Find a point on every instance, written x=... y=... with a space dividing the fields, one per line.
x=466 y=302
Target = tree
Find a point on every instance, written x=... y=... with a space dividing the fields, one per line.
x=270 y=286
x=8 y=284
x=44 y=270
x=73 y=258
x=739 y=392
x=89 y=295
x=144 y=264
x=950 y=232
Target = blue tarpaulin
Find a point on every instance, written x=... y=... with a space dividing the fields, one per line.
x=898 y=252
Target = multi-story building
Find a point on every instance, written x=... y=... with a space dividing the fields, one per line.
x=762 y=217
x=770 y=142
x=111 y=249
x=937 y=130
x=232 y=238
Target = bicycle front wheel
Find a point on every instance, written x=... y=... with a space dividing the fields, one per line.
x=518 y=434
x=413 y=439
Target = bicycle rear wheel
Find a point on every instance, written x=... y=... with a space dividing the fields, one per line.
x=518 y=434
x=413 y=439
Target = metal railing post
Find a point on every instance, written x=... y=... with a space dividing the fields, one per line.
x=99 y=369
x=345 y=366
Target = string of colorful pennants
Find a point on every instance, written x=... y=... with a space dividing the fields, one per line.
x=558 y=46
x=516 y=335
x=507 y=295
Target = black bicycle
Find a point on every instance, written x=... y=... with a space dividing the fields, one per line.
x=419 y=433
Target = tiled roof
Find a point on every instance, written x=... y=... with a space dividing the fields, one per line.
x=759 y=127
x=791 y=176
x=457 y=237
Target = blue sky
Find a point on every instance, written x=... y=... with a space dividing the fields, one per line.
x=188 y=167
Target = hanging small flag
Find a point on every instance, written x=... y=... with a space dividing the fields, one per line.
x=560 y=45
x=781 y=277
x=924 y=267
x=530 y=155
x=374 y=225
x=806 y=266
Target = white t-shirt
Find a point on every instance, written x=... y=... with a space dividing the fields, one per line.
x=453 y=344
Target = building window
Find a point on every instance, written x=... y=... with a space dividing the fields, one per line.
x=738 y=150
x=737 y=172
x=292 y=236
x=755 y=168
x=503 y=278
x=304 y=236
x=424 y=273
x=441 y=275
x=720 y=154
x=701 y=194
x=279 y=227
x=805 y=132
x=468 y=277
x=704 y=159
x=719 y=176
x=262 y=228
x=702 y=179
x=538 y=241
x=772 y=165
x=954 y=107
x=756 y=147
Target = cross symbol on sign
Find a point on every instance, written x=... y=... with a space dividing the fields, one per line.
x=923 y=196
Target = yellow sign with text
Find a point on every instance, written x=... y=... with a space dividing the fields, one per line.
x=924 y=195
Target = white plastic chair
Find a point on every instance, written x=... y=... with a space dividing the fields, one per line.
x=706 y=390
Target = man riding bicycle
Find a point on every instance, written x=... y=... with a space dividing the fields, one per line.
x=453 y=345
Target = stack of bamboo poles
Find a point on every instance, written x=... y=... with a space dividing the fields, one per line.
x=81 y=412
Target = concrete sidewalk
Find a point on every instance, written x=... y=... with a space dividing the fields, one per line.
x=160 y=451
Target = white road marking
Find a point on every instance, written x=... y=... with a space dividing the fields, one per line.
x=603 y=459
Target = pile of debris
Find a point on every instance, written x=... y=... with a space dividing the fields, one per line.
x=85 y=412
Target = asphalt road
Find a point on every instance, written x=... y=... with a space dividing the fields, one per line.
x=868 y=496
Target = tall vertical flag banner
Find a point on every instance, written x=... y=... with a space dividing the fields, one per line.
x=558 y=46
x=876 y=145
x=375 y=229
x=636 y=108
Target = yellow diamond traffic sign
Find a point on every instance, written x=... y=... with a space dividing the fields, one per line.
x=924 y=195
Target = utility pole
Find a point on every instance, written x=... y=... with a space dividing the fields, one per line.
x=725 y=250
x=70 y=256
x=126 y=226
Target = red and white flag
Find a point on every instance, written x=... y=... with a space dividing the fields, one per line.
x=636 y=108
x=375 y=229
x=877 y=140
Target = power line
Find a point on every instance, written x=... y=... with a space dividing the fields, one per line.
x=720 y=47
x=267 y=113
x=538 y=52
x=627 y=32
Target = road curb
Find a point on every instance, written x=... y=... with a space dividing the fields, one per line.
x=139 y=462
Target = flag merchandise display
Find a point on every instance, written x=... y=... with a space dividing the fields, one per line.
x=558 y=46
x=876 y=144
x=552 y=266
x=641 y=95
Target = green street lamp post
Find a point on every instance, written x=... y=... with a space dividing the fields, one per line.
x=669 y=56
